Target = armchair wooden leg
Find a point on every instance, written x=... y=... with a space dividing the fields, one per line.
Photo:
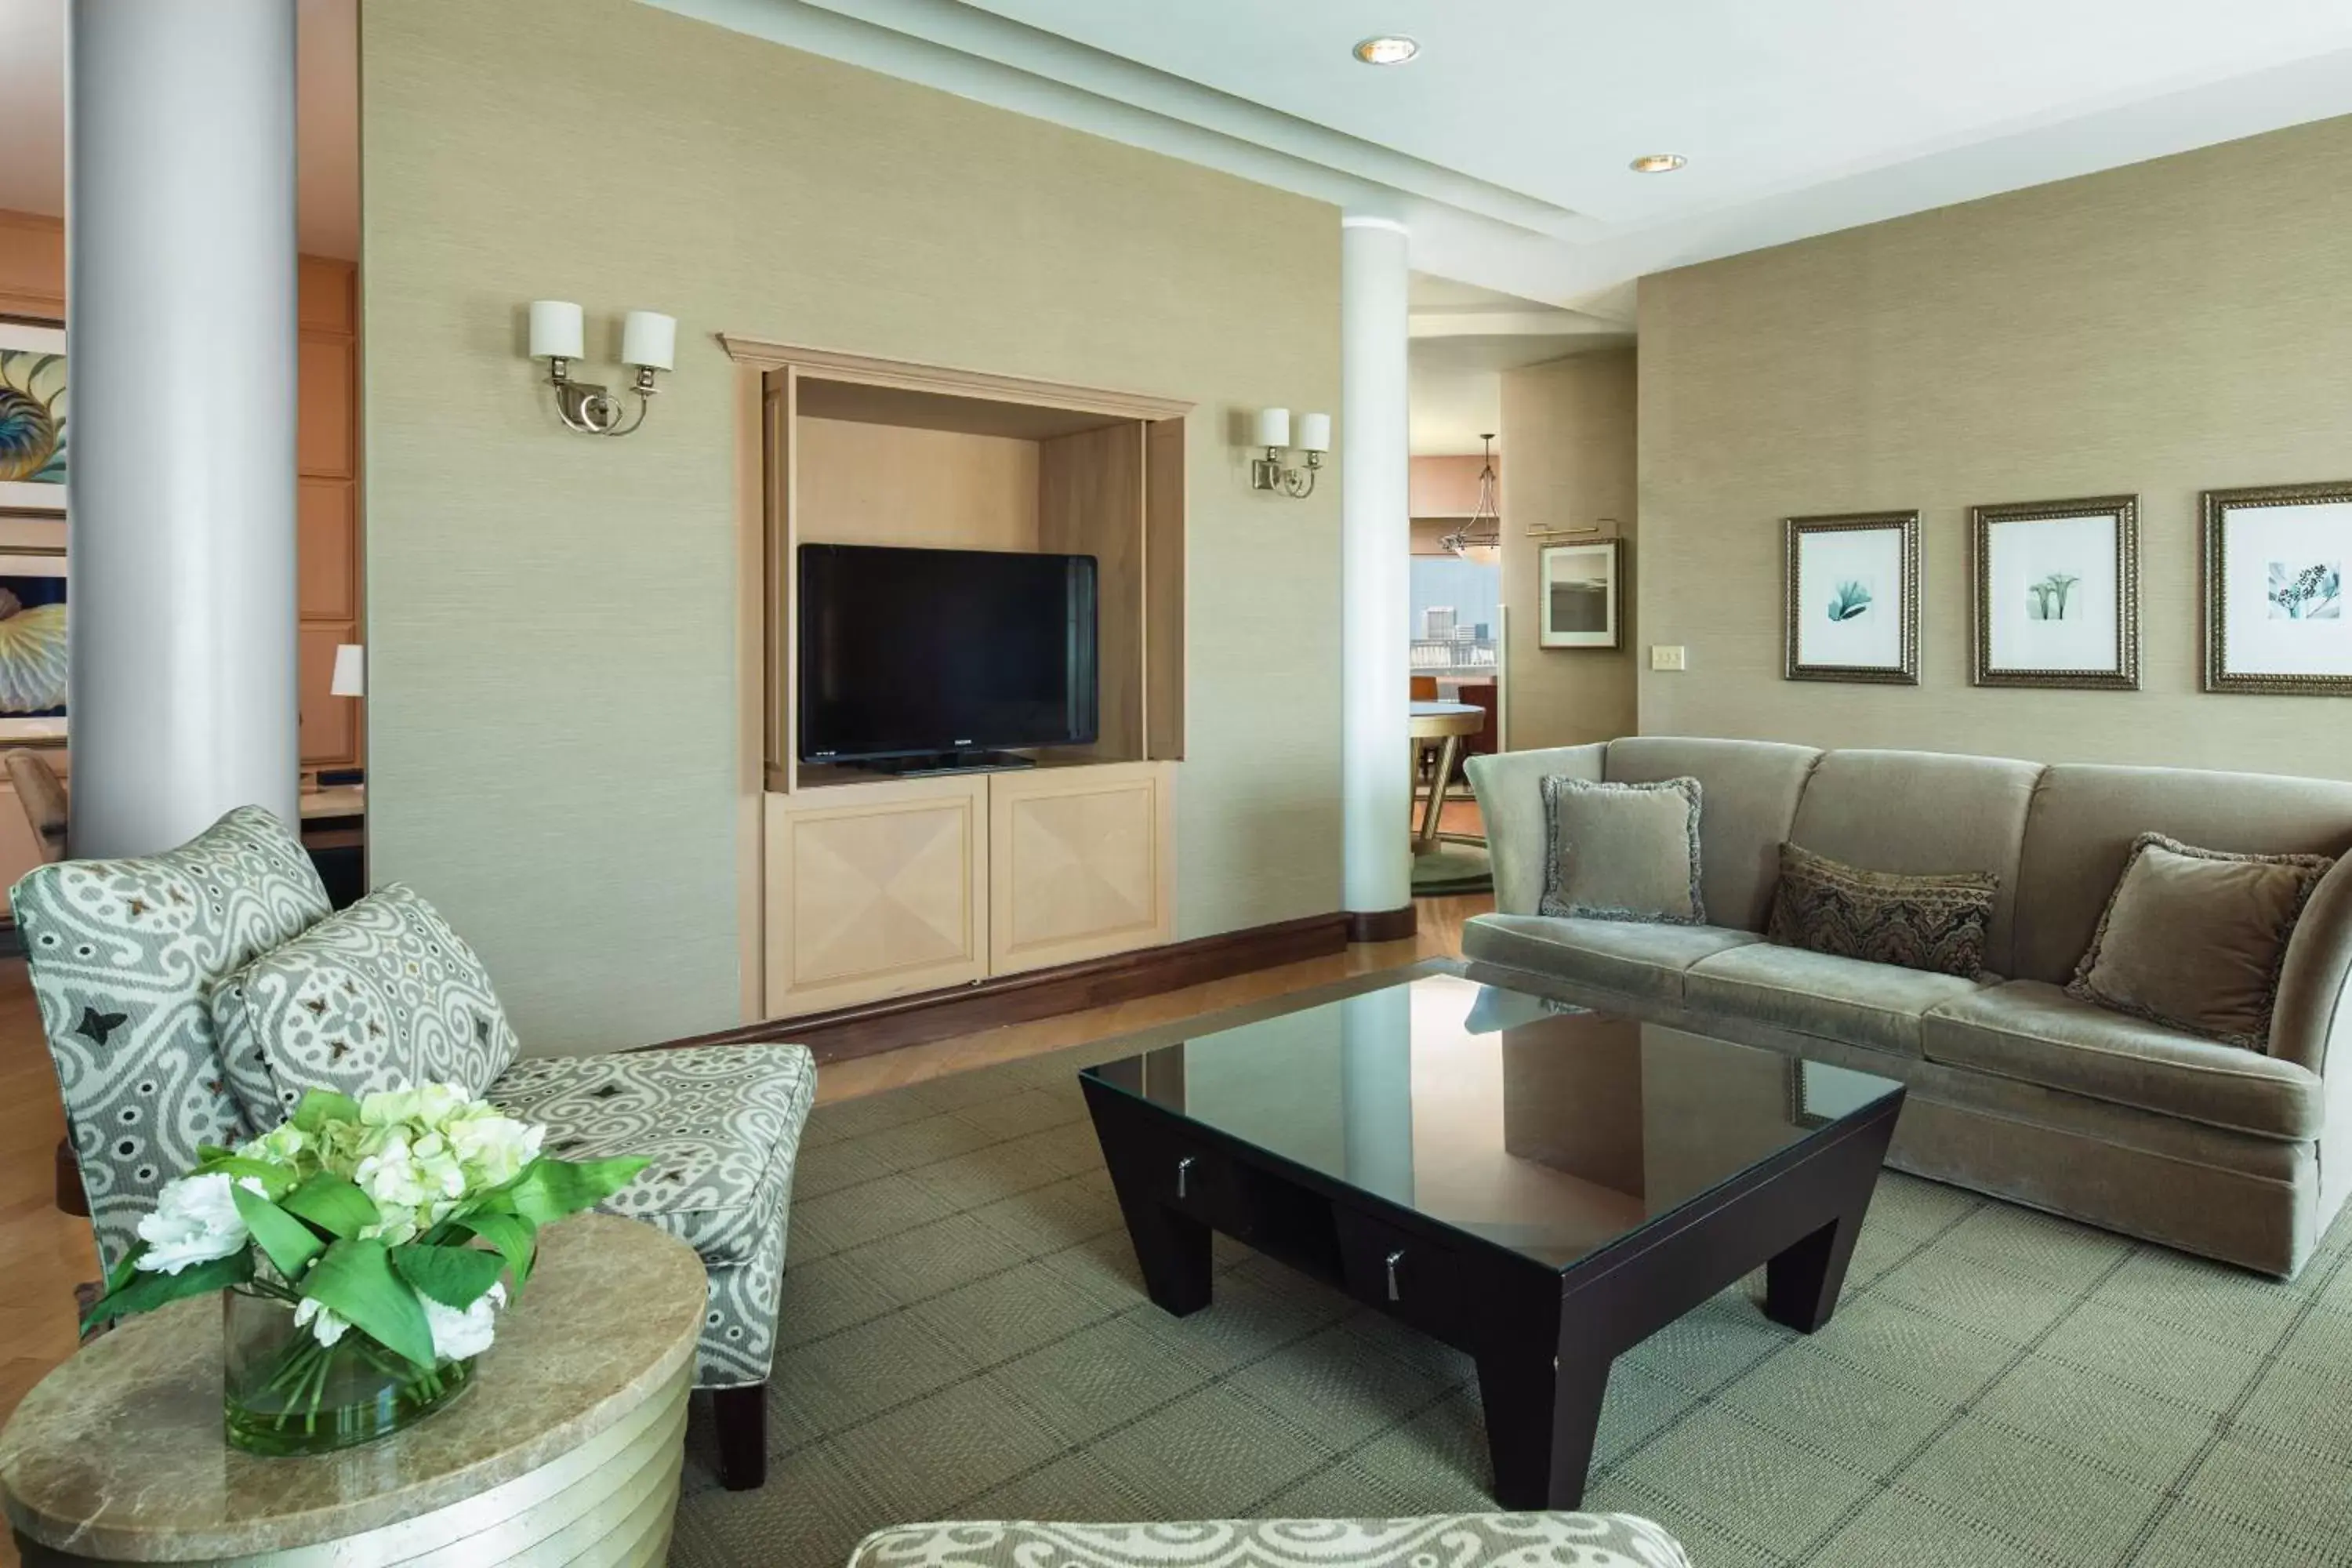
x=70 y=1197
x=743 y=1417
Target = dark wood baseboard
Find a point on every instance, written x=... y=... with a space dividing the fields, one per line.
x=873 y=1026
x=1383 y=925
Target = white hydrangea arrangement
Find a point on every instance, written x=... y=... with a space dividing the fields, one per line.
x=394 y=1216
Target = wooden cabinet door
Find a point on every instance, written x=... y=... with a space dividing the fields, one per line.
x=326 y=536
x=324 y=442
x=875 y=890
x=1080 y=863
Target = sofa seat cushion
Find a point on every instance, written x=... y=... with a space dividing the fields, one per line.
x=720 y=1123
x=1635 y=959
x=2031 y=1030
x=381 y=995
x=1849 y=999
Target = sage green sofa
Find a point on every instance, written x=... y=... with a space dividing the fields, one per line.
x=2016 y=1088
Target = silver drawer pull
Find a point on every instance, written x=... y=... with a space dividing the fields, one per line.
x=1393 y=1259
x=1183 y=1175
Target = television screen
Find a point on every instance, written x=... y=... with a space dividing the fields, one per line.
x=911 y=652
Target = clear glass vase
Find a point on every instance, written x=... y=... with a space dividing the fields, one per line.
x=284 y=1393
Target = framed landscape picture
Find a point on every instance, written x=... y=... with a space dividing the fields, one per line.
x=1850 y=593
x=32 y=415
x=2274 y=578
x=2055 y=586
x=1582 y=593
x=32 y=647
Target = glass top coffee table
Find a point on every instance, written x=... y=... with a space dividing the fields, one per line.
x=1541 y=1188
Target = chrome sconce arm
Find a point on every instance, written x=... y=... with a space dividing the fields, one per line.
x=1270 y=473
x=592 y=409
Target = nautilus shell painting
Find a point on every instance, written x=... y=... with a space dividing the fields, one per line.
x=32 y=647
x=32 y=417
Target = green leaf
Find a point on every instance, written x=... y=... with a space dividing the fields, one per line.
x=124 y=1270
x=549 y=1189
x=207 y=1153
x=277 y=1180
x=334 y=1204
x=148 y=1289
x=453 y=1276
x=324 y=1105
x=517 y=1240
x=289 y=1243
x=355 y=1279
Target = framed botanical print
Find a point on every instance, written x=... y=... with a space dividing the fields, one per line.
x=33 y=646
x=32 y=417
x=1583 y=594
x=1851 y=591
x=2274 y=590
x=2055 y=586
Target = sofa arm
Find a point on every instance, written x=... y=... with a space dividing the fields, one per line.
x=2313 y=1009
x=1510 y=803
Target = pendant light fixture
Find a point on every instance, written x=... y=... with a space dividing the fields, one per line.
x=1481 y=538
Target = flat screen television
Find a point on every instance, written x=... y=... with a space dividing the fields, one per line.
x=933 y=655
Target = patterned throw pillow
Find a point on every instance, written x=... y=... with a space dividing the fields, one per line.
x=380 y=995
x=122 y=954
x=2195 y=939
x=1621 y=851
x=1934 y=923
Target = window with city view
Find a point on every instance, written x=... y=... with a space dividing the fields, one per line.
x=1456 y=618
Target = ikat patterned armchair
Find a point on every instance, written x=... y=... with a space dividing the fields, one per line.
x=1455 y=1541
x=193 y=997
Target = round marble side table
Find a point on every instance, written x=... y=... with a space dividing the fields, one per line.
x=565 y=1450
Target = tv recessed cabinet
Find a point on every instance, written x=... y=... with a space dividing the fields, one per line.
x=875 y=887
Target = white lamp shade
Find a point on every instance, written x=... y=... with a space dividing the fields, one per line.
x=351 y=671
x=1314 y=432
x=1273 y=427
x=649 y=338
x=554 y=329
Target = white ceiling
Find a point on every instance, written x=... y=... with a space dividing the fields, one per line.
x=1463 y=339
x=1505 y=145
x=327 y=124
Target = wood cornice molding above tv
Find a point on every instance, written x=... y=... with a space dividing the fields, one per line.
x=947 y=380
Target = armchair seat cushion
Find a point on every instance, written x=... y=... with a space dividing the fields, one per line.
x=2036 y=1032
x=722 y=1124
x=1851 y=999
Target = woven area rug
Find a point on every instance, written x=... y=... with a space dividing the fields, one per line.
x=964 y=1335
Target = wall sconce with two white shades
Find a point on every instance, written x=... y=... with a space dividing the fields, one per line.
x=648 y=344
x=1272 y=433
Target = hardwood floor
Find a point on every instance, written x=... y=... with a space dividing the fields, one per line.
x=48 y=1252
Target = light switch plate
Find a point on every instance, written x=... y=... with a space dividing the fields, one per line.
x=1667 y=655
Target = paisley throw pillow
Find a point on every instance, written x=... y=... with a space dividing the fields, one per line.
x=381 y=994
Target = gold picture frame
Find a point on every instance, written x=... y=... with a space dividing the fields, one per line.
x=1850 y=597
x=2017 y=600
x=2273 y=592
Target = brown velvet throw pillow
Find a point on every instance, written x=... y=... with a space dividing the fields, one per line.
x=1621 y=851
x=2195 y=938
x=1934 y=923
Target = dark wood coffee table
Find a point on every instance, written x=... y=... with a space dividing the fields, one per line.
x=1541 y=1189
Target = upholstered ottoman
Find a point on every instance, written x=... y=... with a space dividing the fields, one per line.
x=1455 y=1541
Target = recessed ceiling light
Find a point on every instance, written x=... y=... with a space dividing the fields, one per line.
x=1658 y=163
x=1386 y=51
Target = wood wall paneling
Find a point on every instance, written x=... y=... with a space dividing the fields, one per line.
x=1164 y=624
x=327 y=514
x=1080 y=863
x=1091 y=502
x=875 y=890
x=327 y=526
x=330 y=724
x=888 y=484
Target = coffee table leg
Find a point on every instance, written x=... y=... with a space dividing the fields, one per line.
x=1541 y=1415
x=1171 y=1246
x=1802 y=1282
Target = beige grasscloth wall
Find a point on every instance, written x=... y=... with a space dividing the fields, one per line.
x=1568 y=434
x=553 y=695
x=2177 y=325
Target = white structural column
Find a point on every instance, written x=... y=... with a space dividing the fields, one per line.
x=1375 y=550
x=181 y=330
